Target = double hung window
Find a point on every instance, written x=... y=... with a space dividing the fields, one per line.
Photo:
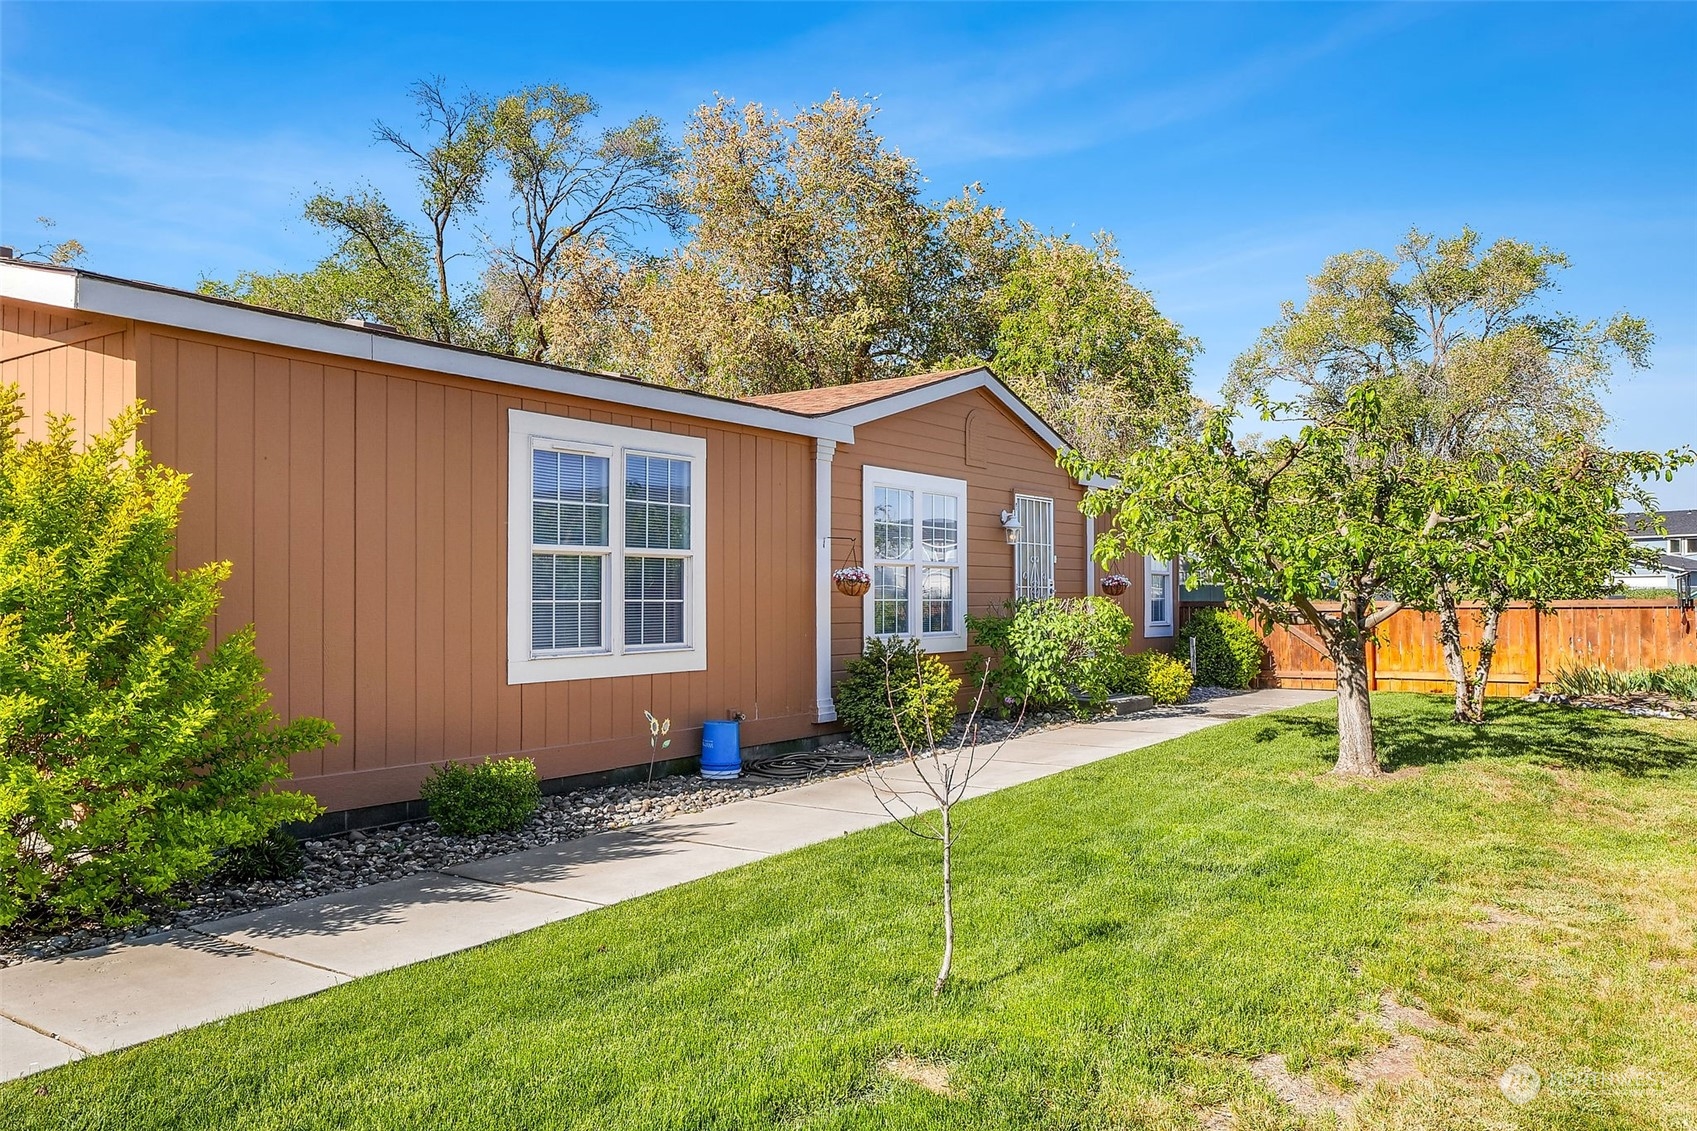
x=606 y=571
x=1158 y=590
x=915 y=531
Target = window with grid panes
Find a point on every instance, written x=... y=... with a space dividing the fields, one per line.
x=607 y=523
x=916 y=540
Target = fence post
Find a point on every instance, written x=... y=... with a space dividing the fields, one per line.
x=1193 y=659
x=1372 y=664
x=1537 y=649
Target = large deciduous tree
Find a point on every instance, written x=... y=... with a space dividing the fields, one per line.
x=380 y=270
x=1084 y=345
x=576 y=193
x=811 y=254
x=1314 y=530
x=452 y=163
x=1480 y=376
x=813 y=258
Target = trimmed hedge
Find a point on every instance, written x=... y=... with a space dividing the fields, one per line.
x=497 y=796
x=1228 y=649
x=1159 y=676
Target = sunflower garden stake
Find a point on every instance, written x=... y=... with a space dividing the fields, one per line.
x=657 y=728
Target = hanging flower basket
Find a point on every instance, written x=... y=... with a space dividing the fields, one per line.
x=1115 y=583
x=852 y=580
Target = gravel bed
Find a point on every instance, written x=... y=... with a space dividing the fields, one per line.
x=1642 y=704
x=362 y=858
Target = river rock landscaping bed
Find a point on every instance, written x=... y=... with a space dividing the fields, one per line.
x=361 y=858
x=1643 y=704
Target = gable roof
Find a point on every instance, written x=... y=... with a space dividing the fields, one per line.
x=874 y=400
x=1677 y=563
x=74 y=289
x=1679 y=523
x=835 y=398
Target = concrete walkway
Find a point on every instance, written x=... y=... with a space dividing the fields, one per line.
x=56 y=1011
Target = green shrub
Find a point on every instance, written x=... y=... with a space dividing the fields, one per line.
x=131 y=752
x=1005 y=685
x=275 y=856
x=499 y=795
x=1228 y=649
x=1159 y=676
x=1057 y=652
x=922 y=688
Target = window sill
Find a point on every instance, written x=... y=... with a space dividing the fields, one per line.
x=1157 y=631
x=934 y=645
x=652 y=661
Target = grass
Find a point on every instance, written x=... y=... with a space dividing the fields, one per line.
x=1131 y=933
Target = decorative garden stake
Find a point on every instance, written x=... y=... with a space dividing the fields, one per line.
x=656 y=729
x=1115 y=583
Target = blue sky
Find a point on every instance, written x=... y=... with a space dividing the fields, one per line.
x=1231 y=148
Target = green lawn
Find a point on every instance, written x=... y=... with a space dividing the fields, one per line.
x=1130 y=934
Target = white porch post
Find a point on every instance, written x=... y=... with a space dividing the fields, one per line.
x=824 y=451
x=1089 y=555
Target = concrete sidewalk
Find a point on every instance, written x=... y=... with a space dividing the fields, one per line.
x=56 y=1011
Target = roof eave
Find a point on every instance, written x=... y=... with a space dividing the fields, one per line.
x=94 y=294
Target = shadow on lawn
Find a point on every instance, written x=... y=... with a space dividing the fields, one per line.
x=1594 y=741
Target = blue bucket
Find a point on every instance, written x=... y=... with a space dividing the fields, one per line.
x=721 y=749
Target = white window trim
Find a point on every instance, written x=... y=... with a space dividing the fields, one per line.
x=1152 y=568
x=525 y=432
x=1054 y=559
x=919 y=484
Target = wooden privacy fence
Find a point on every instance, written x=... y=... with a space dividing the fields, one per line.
x=1532 y=646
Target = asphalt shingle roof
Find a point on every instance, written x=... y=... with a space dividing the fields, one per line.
x=835 y=398
x=1679 y=523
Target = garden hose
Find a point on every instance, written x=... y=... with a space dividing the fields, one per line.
x=803 y=764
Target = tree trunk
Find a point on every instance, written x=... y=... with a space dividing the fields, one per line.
x=948 y=903
x=1482 y=672
x=1356 y=756
x=1449 y=634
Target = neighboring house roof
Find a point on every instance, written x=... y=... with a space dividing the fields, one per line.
x=1679 y=523
x=74 y=289
x=1676 y=563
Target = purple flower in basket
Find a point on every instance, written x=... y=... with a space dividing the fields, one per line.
x=1115 y=583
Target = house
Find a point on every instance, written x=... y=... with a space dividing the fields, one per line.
x=1677 y=547
x=452 y=555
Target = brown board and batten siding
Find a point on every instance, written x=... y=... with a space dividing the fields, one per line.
x=66 y=363
x=363 y=509
x=970 y=436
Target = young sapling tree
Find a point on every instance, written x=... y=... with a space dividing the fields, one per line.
x=935 y=776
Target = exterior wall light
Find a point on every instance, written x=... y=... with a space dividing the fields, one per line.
x=1010 y=523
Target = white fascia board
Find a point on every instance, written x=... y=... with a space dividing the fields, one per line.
x=954 y=386
x=942 y=390
x=76 y=291
x=42 y=285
